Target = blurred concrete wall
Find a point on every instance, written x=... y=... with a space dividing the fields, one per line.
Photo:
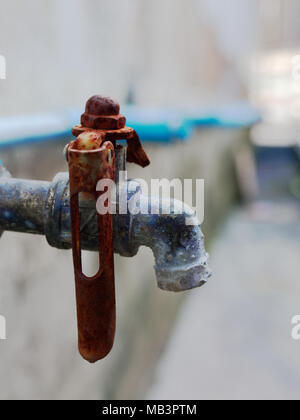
x=59 y=52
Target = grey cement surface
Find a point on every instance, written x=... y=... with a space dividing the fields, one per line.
x=233 y=339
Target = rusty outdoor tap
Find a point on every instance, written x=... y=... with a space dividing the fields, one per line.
x=91 y=158
x=64 y=210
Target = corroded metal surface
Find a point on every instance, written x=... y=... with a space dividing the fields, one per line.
x=112 y=122
x=95 y=296
x=102 y=116
x=135 y=151
x=102 y=113
x=181 y=262
x=91 y=158
x=22 y=205
x=180 y=257
x=100 y=105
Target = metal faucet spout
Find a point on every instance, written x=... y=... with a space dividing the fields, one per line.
x=181 y=262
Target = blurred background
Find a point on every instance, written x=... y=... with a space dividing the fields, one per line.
x=213 y=88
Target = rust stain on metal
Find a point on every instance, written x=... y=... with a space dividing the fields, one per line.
x=95 y=296
x=102 y=116
x=102 y=113
x=91 y=158
x=135 y=151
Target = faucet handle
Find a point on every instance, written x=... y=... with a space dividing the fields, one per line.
x=88 y=163
x=91 y=158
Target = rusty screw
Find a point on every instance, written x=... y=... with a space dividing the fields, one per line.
x=102 y=113
x=100 y=105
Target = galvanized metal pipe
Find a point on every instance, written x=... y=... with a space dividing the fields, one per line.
x=22 y=204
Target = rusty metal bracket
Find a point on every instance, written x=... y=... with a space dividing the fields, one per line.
x=95 y=296
x=135 y=151
x=91 y=158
